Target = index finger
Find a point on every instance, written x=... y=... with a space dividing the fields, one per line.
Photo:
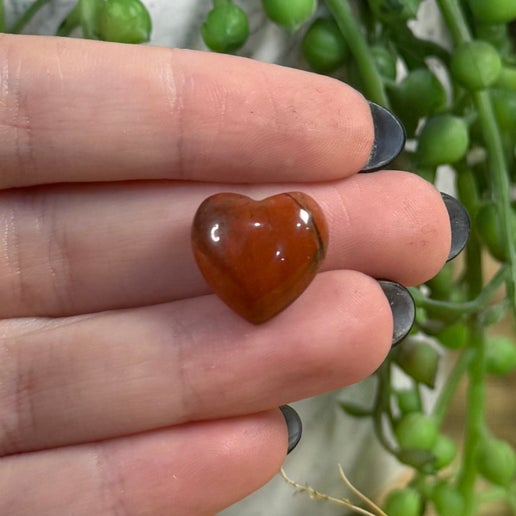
x=74 y=111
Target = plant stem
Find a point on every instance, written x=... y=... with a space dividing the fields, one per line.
x=476 y=305
x=318 y=495
x=474 y=418
x=2 y=16
x=70 y=22
x=452 y=13
x=500 y=184
x=452 y=382
x=467 y=188
x=382 y=405
x=88 y=15
x=373 y=84
x=27 y=16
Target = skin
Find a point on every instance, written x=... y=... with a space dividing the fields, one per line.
x=125 y=386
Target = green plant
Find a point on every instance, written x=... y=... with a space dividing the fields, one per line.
x=416 y=431
x=447 y=500
x=476 y=65
x=226 y=27
x=494 y=11
x=496 y=461
x=124 y=21
x=404 y=502
x=324 y=47
x=455 y=310
x=291 y=14
x=443 y=139
x=419 y=94
x=365 y=41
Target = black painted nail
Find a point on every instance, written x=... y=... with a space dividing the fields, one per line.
x=389 y=138
x=294 y=426
x=403 y=309
x=460 y=225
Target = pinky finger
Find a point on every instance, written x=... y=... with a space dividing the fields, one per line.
x=195 y=469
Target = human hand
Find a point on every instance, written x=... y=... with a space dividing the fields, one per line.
x=125 y=387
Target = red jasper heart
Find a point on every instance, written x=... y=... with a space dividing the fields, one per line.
x=259 y=256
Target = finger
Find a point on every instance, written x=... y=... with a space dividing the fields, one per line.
x=172 y=471
x=73 y=250
x=75 y=110
x=99 y=376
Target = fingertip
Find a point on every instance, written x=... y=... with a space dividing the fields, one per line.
x=403 y=309
x=294 y=426
x=390 y=225
x=226 y=460
x=428 y=218
x=460 y=225
x=330 y=330
x=389 y=138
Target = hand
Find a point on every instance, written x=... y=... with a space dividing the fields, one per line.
x=125 y=387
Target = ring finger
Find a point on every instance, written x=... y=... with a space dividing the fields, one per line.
x=78 y=249
x=92 y=377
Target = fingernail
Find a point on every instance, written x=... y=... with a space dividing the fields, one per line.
x=294 y=426
x=460 y=225
x=389 y=138
x=403 y=309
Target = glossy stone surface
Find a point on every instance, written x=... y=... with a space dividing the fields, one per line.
x=460 y=225
x=259 y=256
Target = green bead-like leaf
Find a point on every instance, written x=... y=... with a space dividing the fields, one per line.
x=355 y=410
x=420 y=361
x=496 y=461
x=500 y=355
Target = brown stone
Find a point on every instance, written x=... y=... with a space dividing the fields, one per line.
x=259 y=256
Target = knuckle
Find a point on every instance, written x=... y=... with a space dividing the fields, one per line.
x=16 y=386
x=16 y=154
x=34 y=247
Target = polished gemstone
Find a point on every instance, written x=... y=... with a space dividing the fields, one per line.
x=259 y=256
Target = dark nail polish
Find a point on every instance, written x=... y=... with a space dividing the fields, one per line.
x=389 y=138
x=460 y=225
x=294 y=426
x=403 y=309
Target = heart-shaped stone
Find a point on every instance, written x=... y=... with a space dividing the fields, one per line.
x=259 y=256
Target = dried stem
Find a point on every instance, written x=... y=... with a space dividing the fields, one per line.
x=317 y=495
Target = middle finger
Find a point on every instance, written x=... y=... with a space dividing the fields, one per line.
x=78 y=249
